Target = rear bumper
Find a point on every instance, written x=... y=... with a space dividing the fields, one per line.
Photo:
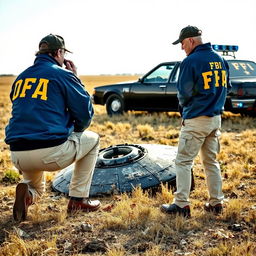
x=243 y=103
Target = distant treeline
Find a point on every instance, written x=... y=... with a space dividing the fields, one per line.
x=7 y=75
x=123 y=74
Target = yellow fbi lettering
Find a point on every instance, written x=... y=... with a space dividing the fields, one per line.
x=215 y=76
x=21 y=87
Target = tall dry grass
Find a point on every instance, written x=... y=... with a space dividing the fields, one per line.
x=133 y=224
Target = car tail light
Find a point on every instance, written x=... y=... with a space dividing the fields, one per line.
x=238 y=105
x=240 y=92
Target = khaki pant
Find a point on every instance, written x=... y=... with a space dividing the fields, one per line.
x=81 y=148
x=199 y=134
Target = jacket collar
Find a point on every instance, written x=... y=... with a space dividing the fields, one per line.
x=46 y=58
x=200 y=47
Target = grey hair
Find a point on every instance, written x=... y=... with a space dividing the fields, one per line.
x=198 y=39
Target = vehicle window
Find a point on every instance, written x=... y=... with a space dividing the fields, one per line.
x=175 y=78
x=160 y=75
x=242 y=68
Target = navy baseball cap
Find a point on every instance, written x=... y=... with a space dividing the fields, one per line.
x=53 y=42
x=189 y=31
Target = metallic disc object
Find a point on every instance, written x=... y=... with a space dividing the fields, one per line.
x=121 y=168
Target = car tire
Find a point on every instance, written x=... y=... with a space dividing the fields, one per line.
x=114 y=105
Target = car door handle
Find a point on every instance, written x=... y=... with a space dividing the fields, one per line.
x=162 y=86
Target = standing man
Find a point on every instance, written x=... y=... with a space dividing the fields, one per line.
x=202 y=88
x=50 y=111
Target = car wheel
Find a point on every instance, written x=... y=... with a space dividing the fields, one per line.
x=114 y=105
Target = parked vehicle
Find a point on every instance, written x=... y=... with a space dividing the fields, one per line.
x=156 y=90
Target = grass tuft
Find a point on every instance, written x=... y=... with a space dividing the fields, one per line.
x=146 y=132
x=245 y=248
x=11 y=177
x=17 y=246
x=233 y=210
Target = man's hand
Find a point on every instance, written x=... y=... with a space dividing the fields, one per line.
x=70 y=66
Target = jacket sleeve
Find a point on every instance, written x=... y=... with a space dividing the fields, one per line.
x=185 y=83
x=78 y=103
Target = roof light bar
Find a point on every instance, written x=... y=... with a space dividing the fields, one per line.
x=226 y=49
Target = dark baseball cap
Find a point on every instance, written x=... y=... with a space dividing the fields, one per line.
x=189 y=31
x=54 y=42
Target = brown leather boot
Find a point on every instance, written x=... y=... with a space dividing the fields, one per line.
x=23 y=200
x=85 y=205
x=174 y=209
x=216 y=209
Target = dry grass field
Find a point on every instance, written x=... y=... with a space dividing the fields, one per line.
x=133 y=224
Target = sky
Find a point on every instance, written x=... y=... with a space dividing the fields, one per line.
x=120 y=36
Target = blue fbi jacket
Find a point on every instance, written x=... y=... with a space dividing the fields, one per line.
x=203 y=83
x=48 y=103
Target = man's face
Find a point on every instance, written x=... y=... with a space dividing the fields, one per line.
x=187 y=45
x=60 y=56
